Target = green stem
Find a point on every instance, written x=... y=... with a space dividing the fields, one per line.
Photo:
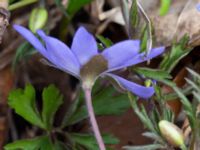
x=183 y=147
x=21 y=4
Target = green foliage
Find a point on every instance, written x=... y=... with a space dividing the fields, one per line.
x=75 y=5
x=178 y=51
x=164 y=77
x=105 y=102
x=105 y=41
x=144 y=40
x=89 y=142
x=39 y=143
x=52 y=99
x=134 y=16
x=153 y=73
x=23 y=102
x=141 y=113
x=165 y=6
x=195 y=84
x=22 y=52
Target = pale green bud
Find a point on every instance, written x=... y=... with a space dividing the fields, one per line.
x=148 y=83
x=38 y=19
x=171 y=133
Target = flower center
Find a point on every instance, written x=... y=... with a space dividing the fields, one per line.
x=90 y=71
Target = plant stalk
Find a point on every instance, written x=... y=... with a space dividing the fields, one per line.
x=21 y=4
x=93 y=121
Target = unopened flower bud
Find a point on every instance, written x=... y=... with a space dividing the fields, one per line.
x=171 y=133
x=148 y=83
x=38 y=19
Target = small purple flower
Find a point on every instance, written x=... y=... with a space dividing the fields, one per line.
x=84 y=61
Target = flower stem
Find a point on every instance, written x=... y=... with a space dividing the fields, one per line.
x=93 y=121
x=21 y=4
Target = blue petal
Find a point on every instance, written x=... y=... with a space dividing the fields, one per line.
x=60 y=55
x=31 y=38
x=84 y=46
x=141 y=91
x=121 y=52
x=140 y=58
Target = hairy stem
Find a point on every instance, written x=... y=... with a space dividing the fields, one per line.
x=93 y=121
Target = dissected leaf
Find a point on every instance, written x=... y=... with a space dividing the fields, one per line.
x=89 y=141
x=23 y=102
x=52 y=99
x=177 y=52
x=141 y=113
x=153 y=73
x=39 y=143
x=104 y=103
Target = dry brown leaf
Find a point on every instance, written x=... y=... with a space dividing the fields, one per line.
x=6 y=83
x=183 y=18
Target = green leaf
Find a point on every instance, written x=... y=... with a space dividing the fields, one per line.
x=195 y=75
x=134 y=17
x=165 y=6
x=146 y=147
x=152 y=136
x=153 y=73
x=89 y=141
x=144 y=39
x=105 y=102
x=105 y=41
x=177 y=52
x=23 y=102
x=39 y=143
x=76 y=5
x=141 y=113
x=22 y=52
x=72 y=109
x=60 y=146
x=52 y=99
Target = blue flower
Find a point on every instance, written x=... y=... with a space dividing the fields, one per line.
x=84 y=61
